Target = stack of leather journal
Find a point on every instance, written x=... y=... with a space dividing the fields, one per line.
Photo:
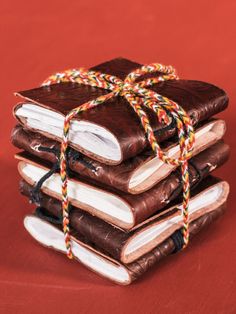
x=125 y=203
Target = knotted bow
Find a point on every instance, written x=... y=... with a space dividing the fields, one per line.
x=138 y=96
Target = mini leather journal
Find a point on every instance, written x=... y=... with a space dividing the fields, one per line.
x=86 y=252
x=121 y=209
x=135 y=175
x=111 y=133
x=124 y=246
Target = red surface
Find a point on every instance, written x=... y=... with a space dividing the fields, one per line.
x=38 y=38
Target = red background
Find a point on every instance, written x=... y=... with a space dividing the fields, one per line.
x=39 y=38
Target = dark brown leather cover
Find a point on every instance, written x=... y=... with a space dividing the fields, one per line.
x=200 y=100
x=144 y=263
x=118 y=176
x=105 y=236
x=137 y=268
x=146 y=204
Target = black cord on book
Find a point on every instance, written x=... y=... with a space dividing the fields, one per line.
x=72 y=154
x=42 y=213
x=178 y=240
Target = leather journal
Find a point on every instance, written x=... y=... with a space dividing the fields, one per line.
x=111 y=132
x=121 y=209
x=87 y=253
x=135 y=175
x=129 y=246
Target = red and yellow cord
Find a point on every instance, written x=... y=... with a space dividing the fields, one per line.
x=138 y=96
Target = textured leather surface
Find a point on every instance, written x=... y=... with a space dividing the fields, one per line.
x=200 y=100
x=105 y=236
x=144 y=263
x=117 y=176
x=137 y=268
x=146 y=204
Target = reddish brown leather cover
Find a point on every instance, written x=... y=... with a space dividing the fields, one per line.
x=144 y=263
x=200 y=100
x=118 y=176
x=146 y=204
x=137 y=268
x=105 y=236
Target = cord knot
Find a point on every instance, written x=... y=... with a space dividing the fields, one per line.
x=138 y=96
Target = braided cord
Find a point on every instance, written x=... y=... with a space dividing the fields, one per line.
x=137 y=95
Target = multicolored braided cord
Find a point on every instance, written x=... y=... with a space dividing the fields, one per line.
x=138 y=96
